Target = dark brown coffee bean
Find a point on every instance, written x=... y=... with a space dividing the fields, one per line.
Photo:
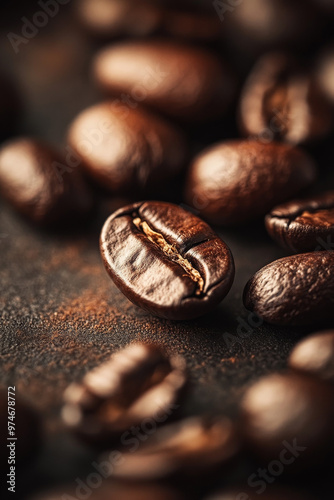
x=279 y=102
x=296 y=290
x=289 y=418
x=304 y=225
x=325 y=72
x=181 y=81
x=255 y=26
x=315 y=355
x=189 y=450
x=236 y=181
x=37 y=182
x=126 y=150
x=113 y=18
x=139 y=384
x=166 y=260
x=27 y=430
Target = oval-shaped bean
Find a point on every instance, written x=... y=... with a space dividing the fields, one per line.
x=304 y=225
x=178 y=80
x=36 y=180
x=126 y=150
x=296 y=290
x=235 y=181
x=166 y=260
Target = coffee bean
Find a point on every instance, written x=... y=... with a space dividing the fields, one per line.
x=27 y=431
x=289 y=418
x=304 y=225
x=166 y=260
x=280 y=102
x=36 y=180
x=113 y=18
x=138 y=385
x=192 y=449
x=235 y=181
x=127 y=150
x=181 y=81
x=315 y=355
x=296 y=290
x=325 y=72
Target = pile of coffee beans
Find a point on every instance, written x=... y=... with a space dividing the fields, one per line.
x=261 y=74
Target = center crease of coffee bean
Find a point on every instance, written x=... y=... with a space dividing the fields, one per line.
x=171 y=252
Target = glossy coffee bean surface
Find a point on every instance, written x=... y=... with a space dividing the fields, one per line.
x=138 y=383
x=304 y=225
x=315 y=355
x=184 y=82
x=236 y=181
x=288 y=417
x=166 y=260
x=296 y=290
x=280 y=102
x=127 y=150
x=36 y=180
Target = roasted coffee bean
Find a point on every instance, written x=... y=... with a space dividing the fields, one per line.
x=315 y=355
x=243 y=492
x=189 y=450
x=27 y=430
x=325 y=72
x=126 y=150
x=137 y=385
x=296 y=290
x=114 y=18
x=289 y=418
x=280 y=102
x=256 y=26
x=235 y=181
x=304 y=225
x=166 y=260
x=37 y=182
x=181 y=81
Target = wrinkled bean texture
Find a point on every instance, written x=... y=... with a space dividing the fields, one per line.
x=187 y=83
x=235 y=181
x=296 y=290
x=304 y=225
x=166 y=260
x=126 y=150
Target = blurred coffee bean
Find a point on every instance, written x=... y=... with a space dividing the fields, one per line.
x=191 y=450
x=138 y=386
x=288 y=419
x=235 y=181
x=111 y=491
x=27 y=430
x=127 y=150
x=294 y=291
x=184 y=82
x=315 y=355
x=324 y=73
x=304 y=225
x=37 y=181
x=255 y=26
x=166 y=260
x=113 y=18
x=280 y=102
